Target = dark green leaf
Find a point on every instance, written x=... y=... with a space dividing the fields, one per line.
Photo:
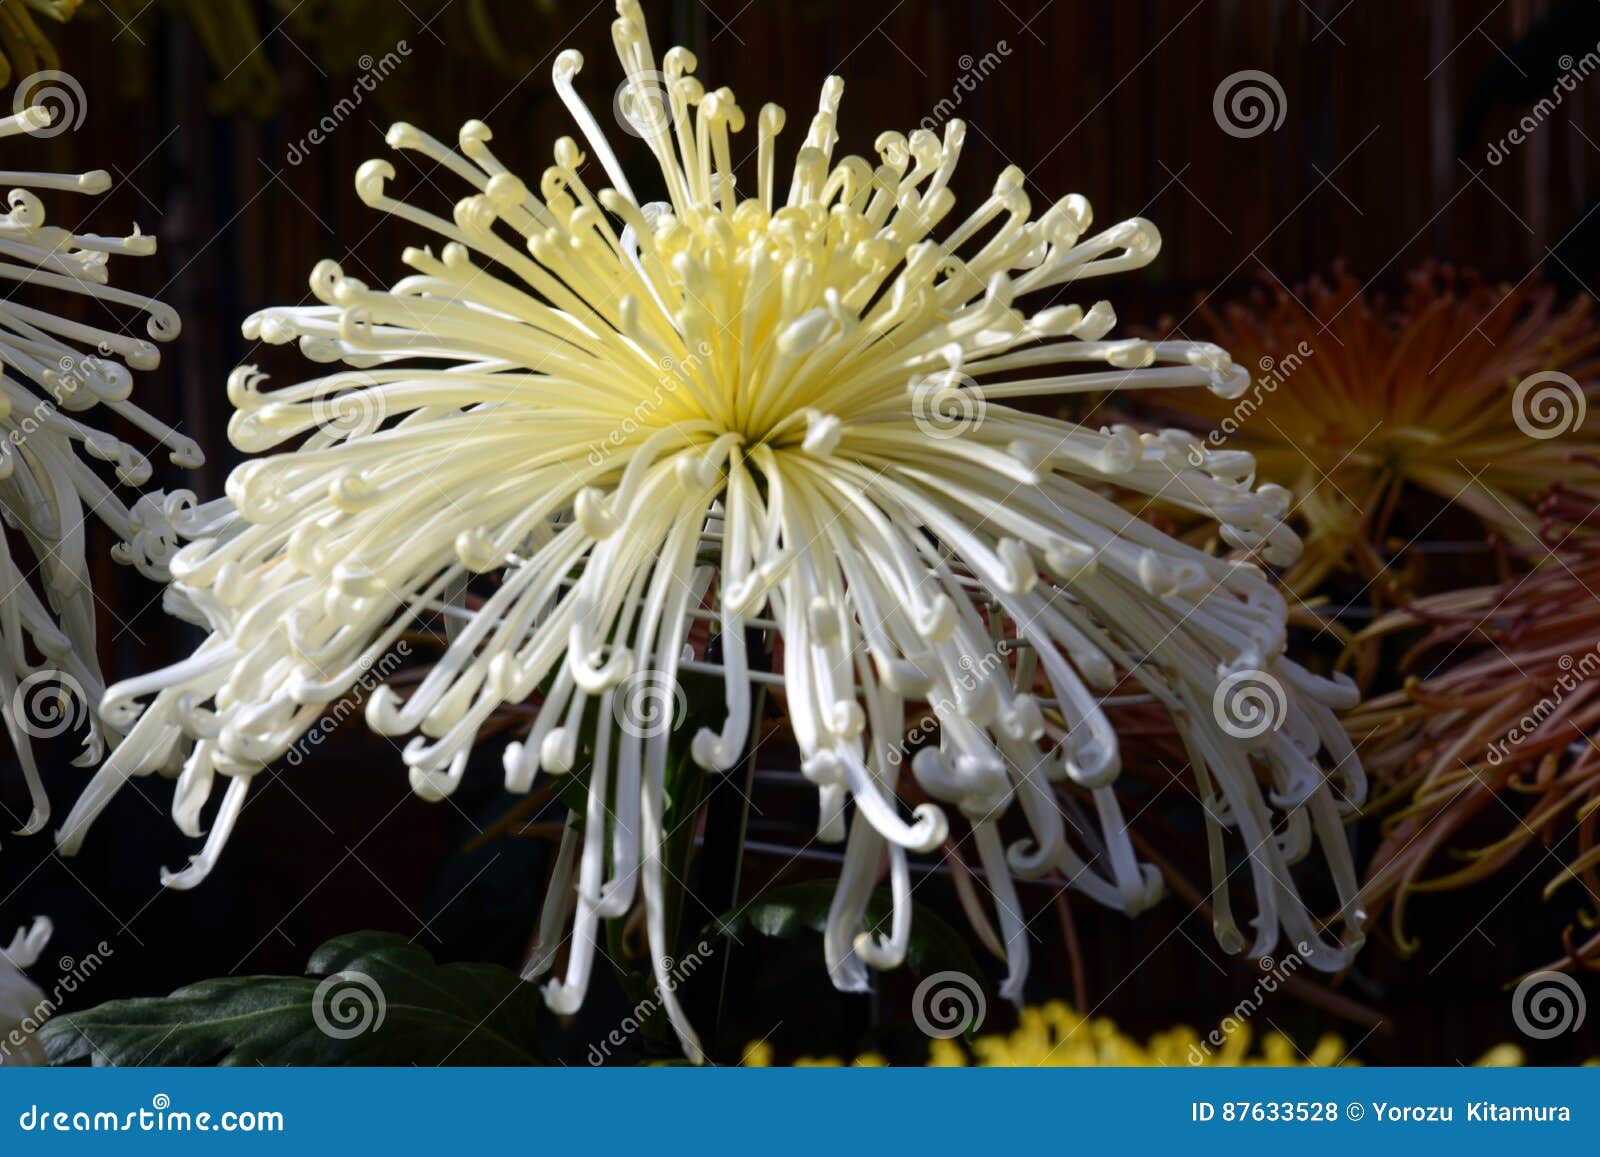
x=458 y=1014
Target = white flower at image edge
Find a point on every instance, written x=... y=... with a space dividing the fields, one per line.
x=632 y=416
x=21 y=1001
x=56 y=374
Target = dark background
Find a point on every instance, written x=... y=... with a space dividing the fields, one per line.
x=1380 y=162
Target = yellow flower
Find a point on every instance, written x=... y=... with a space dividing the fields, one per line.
x=1056 y=1036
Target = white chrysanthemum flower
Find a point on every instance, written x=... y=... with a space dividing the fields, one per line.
x=21 y=1001
x=783 y=411
x=58 y=375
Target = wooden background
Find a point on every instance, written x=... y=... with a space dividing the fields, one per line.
x=1390 y=108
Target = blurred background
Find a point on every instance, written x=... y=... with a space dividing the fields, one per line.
x=214 y=120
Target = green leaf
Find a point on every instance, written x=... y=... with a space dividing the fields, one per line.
x=789 y=910
x=369 y=998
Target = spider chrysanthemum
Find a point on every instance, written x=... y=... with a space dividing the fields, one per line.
x=592 y=420
x=1379 y=414
x=64 y=372
x=1490 y=750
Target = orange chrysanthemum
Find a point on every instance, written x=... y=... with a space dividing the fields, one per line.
x=1378 y=416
